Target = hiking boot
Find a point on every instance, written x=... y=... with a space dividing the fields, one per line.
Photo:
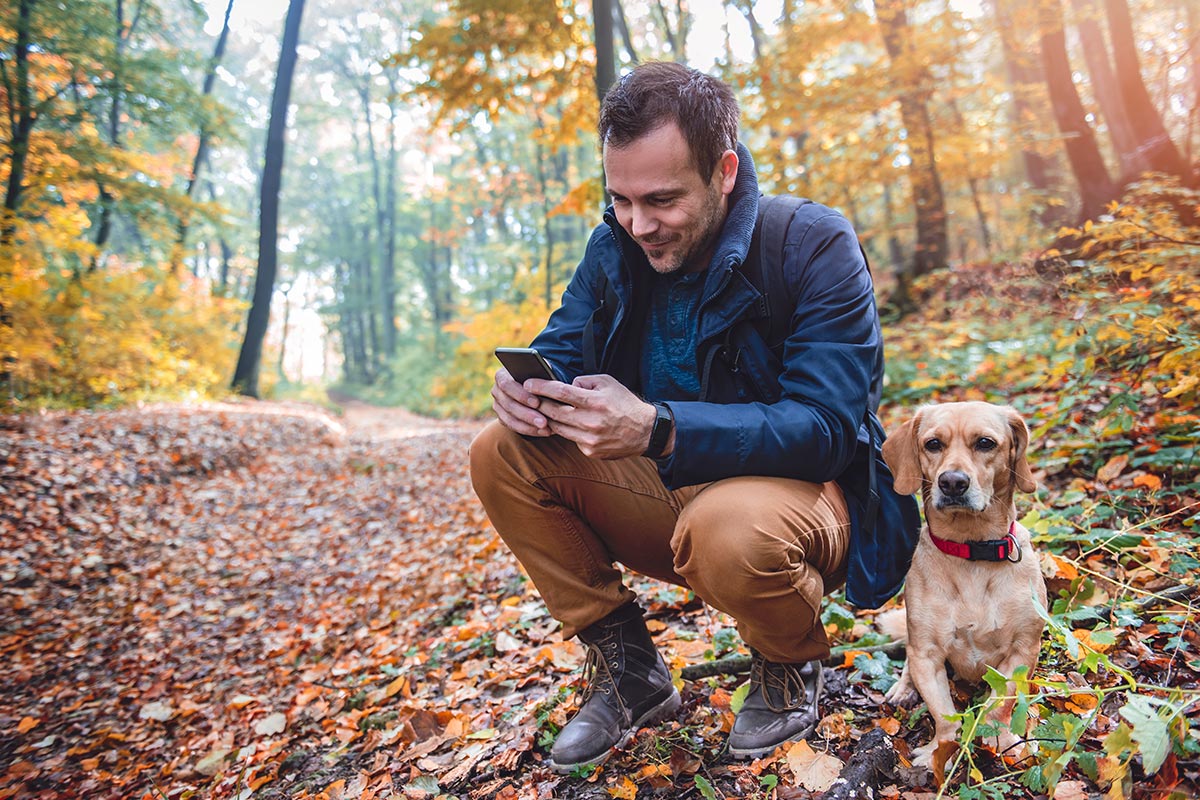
x=628 y=686
x=781 y=706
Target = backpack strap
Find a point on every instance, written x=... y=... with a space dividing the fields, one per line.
x=604 y=311
x=764 y=265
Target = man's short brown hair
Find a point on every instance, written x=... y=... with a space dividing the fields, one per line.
x=659 y=92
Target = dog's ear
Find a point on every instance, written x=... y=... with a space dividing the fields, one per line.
x=1020 y=443
x=900 y=454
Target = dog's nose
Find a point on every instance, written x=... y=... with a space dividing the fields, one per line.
x=954 y=483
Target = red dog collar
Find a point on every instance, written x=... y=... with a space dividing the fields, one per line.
x=986 y=550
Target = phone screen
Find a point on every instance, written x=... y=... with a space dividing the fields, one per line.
x=524 y=363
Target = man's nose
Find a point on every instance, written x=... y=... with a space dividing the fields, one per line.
x=643 y=222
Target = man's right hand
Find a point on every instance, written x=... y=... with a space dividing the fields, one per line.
x=516 y=408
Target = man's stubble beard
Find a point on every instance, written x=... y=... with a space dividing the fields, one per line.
x=714 y=220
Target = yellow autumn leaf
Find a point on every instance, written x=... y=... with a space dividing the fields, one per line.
x=625 y=789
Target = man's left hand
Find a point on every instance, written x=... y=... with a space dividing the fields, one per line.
x=598 y=414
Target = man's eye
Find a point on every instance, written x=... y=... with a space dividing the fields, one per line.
x=933 y=445
x=619 y=201
x=985 y=444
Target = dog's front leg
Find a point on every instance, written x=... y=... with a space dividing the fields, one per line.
x=928 y=672
x=1001 y=713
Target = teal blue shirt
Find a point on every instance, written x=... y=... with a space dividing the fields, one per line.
x=669 y=370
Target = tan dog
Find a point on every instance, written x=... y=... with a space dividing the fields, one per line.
x=970 y=592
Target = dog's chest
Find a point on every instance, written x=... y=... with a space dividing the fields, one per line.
x=975 y=616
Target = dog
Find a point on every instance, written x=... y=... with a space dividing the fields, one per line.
x=974 y=579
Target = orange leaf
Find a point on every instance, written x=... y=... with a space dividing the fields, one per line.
x=944 y=752
x=27 y=724
x=849 y=656
x=625 y=790
x=1115 y=466
x=890 y=725
x=1148 y=481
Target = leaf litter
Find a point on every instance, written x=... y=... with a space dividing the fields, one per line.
x=257 y=599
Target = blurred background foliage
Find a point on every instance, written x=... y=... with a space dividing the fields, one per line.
x=1032 y=158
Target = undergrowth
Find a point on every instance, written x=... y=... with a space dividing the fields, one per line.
x=1099 y=349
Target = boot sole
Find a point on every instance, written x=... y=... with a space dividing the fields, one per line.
x=660 y=712
x=759 y=752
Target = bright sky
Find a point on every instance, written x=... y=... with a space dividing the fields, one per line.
x=706 y=43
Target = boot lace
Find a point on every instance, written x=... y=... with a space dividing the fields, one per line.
x=778 y=680
x=603 y=656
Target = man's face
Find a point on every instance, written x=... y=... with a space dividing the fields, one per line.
x=662 y=202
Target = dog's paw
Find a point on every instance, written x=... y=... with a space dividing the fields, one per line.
x=923 y=755
x=902 y=693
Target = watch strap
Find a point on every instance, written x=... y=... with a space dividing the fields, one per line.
x=660 y=434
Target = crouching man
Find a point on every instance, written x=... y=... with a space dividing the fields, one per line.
x=680 y=443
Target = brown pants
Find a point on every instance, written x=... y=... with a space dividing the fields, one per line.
x=763 y=550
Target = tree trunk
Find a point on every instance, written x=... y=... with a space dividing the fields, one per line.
x=245 y=376
x=606 y=62
x=1022 y=75
x=124 y=32
x=928 y=199
x=623 y=26
x=1131 y=162
x=22 y=118
x=387 y=273
x=210 y=80
x=1096 y=188
x=1152 y=136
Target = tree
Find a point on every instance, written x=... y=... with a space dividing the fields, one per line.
x=1152 y=136
x=914 y=82
x=210 y=78
x=1096 y=188
x=245 y=376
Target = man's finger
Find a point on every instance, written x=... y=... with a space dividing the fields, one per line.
x=556 y=390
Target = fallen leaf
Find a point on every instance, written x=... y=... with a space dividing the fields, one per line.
x=211 y=764
x=1115 y=466
x=890 y=725
x=1148 y=481
x=811 y=770
x=27 y=724
x=271 y=724
x=941 y=755
x=156 y=710
x=625 y=789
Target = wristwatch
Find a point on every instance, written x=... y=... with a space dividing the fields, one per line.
x=660 y=434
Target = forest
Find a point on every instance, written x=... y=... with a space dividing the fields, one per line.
x=254 y=261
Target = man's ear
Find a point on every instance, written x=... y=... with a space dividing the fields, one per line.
x=727 y=169
x=900 y=454
x=1020 y=443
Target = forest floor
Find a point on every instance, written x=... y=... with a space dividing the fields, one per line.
x=267 y=600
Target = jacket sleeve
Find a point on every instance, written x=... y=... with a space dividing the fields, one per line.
x=561 y=341
x=830 y=356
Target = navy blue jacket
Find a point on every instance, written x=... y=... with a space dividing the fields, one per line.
x=798 y=409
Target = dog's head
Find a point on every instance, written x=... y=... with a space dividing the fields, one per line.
x=964 y=455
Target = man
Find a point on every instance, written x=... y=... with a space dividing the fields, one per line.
x=682 y=445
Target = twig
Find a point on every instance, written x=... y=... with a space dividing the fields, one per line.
x=1164 y=597
x=737 y=665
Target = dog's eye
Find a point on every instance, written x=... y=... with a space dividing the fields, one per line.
x=934 y=445
x=985 y=444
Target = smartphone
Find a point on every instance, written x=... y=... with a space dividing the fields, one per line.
x=524 y=363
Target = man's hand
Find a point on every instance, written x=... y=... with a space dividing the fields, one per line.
x=519 y=410
x=598 y=414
